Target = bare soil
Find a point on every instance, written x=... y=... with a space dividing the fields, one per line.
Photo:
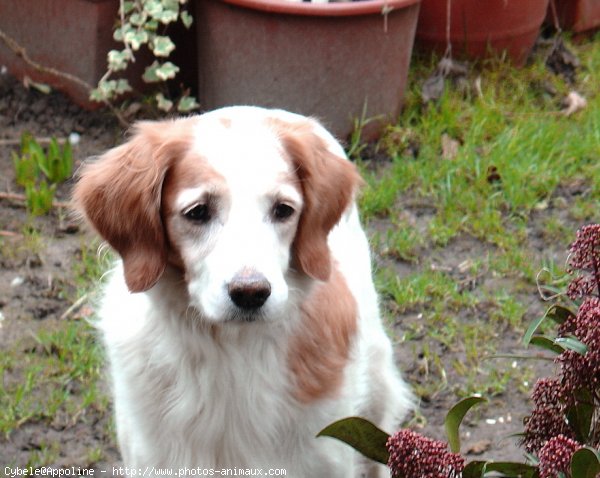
x=36 y=270
x=37 y=287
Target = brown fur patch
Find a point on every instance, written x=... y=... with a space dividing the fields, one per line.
x=190 y=171
x=319 y=352
x=120 y=195
x=328 y=183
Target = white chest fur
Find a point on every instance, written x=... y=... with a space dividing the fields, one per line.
x=189 y=396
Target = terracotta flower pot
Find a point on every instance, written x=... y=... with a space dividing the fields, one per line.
x=70 y=36
x=577 y=15
x=481 y=28
x=326 y=60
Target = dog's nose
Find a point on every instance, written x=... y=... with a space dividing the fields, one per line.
x=249 y=290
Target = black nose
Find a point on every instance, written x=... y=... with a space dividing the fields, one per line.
x=249 y=290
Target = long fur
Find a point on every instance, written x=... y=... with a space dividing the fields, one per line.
x=197 y=380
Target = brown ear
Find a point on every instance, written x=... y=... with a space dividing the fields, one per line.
x=328 y=183
x=120 y=195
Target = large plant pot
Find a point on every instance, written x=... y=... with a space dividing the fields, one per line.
x=577 y=15
x=70 y=36
x=482 y=28
x=334 y=61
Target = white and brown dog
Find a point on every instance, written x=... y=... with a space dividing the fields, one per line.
x=242 y=317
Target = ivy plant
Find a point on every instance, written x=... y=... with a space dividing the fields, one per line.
x=143 y=23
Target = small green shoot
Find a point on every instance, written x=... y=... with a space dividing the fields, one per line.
x=39 y=197
x=57 y=163
x=39 y=171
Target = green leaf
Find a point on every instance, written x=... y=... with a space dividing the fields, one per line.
x=455 y=417
x=546 y=343
x=581 y=414
x=136 y=38
x=474 y=469
x=186 y=18
x=122 y=86
x=153 y=7
x=478 y=469
x=39 y=156
x=138 y=19
x=118 y=60
x=39 y=199
x=557 y=313
x=361 y=435
x=67 y=161
x=532 y=459
x=41 y=87
x=187 y=103
x=585 y=463
x=26 y=140
x=109 y=89
x=150 y=75
x=54 y=161
x=127 y=7
x=118 y=35
x=533 y=328
x=167 y=71
x=151 y=25
x=98 y=95
x=166 y=16
x=162 y=46
x=26 y=164
x=511 y=469
x=120 y=32
x=571 y=343
x=163 y=103
x=172 y=4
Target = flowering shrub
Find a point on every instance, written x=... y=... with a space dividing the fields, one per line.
x=414 y=455
x=562 y=434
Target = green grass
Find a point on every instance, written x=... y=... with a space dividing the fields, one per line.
x=39 y=378
x=507 y=188
x=54 y=373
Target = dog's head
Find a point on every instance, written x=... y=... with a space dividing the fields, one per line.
x=239 y=200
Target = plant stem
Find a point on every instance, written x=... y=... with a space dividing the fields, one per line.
x=22 y=198
x=21 y=52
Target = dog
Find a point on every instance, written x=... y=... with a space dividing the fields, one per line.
x=241 y=318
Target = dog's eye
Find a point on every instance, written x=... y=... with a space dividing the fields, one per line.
x=282 y=211
x=198 y=213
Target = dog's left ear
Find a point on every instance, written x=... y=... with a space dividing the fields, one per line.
x=328 y=184
x=120 y=195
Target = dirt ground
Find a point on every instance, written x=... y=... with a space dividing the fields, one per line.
x=36 y=282
x=35 y=287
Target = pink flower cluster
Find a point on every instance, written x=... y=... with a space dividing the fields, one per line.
x=555 y=456
x=582 y=371
x=585 y=258
x=415 y=456
x=548 y=416
x=547 y=431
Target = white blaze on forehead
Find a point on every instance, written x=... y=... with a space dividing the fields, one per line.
x=247 y=153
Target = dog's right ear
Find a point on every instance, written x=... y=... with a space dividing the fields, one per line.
x=120 y=196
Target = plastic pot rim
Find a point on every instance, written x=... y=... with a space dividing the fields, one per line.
x=338 y=9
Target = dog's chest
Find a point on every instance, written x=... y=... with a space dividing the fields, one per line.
x=225 y=402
